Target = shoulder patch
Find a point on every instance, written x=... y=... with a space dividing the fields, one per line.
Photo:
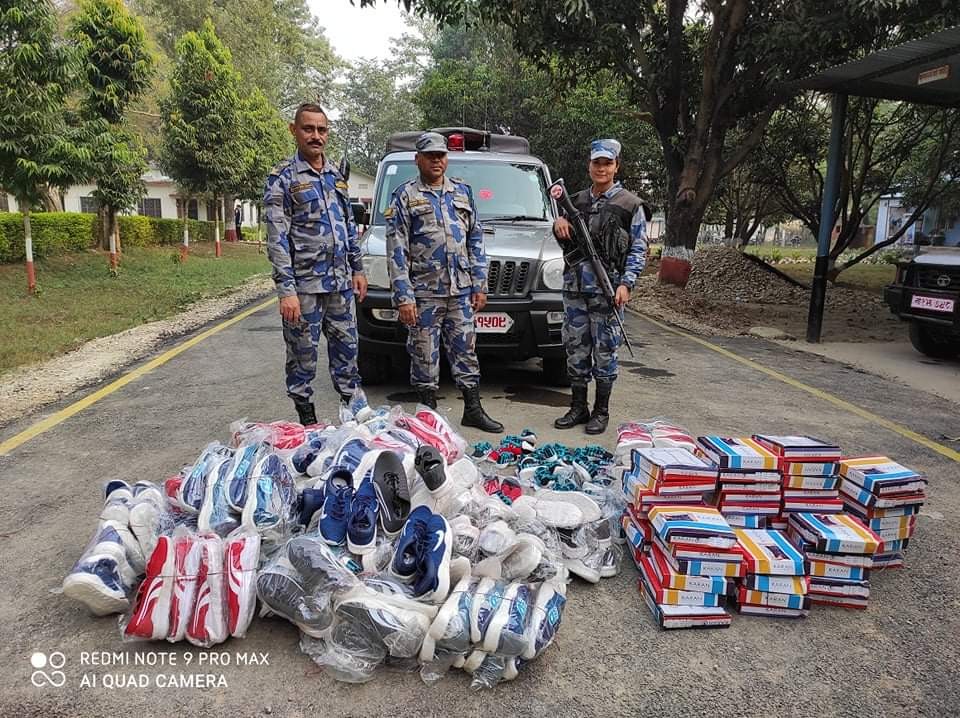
x=340 y=184
x=388 y=212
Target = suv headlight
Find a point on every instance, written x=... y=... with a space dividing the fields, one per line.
x=552 y=274
x=375 y=267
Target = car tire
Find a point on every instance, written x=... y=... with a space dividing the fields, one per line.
x=555 y=372
x=933 y=343
x=374 y=368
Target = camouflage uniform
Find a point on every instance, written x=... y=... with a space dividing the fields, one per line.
x=312 y=242
x=590 y=332
x=436 y=260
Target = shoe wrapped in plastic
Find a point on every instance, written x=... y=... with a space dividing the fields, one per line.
x=149 y=617
x=102 y=578
x=149 y=515
x=238 y=474
x=350 y=654
x=489 y=673
x=383 y=610
x=432 y=671
x=241 y=559
x=279 y=434
x=215 y=513
x=270 y=499
x=193 y=488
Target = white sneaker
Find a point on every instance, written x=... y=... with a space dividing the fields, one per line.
x=524 y=558
x=506 y=634
x=490 y=567
x=588 y=507
x=466 y=536
x=557 y=514
x=497 y=539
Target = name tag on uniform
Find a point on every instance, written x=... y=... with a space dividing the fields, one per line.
x=419 y=202
x=300 y=186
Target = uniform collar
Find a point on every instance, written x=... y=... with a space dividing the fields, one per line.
x=447 y=185
x=616 y=187
x=303 y=166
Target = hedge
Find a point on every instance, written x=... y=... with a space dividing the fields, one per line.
x=61 y=232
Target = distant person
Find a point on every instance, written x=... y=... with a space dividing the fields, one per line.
x=617 y=223
x=238 y=222
x=312 y=242
x=438 y=274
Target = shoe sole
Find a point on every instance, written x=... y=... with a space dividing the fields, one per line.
x=499 y=620
x=241 y=557
x=208 y=625
x=538 y=612
x=150 y=617
x=588 y=507
x=578 y=568
x=483 y=588
x=94 y=594
x=188 y=553
x=450 y=610
x=145 y=525
x=361 y=549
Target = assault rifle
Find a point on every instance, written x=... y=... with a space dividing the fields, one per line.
x=581 y=235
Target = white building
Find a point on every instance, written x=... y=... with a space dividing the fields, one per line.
x=891 y=214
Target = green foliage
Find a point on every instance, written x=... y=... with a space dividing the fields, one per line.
x=138 y=231
x=202 y=145
x=266 y=142
x=116 y=61
x=53 y=233
x=37 y=71
x=121 y=163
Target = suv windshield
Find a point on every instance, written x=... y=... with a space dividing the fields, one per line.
x=500 y=189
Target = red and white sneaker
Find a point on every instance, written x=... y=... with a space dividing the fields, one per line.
x=241 y=557
x=150 y=618
x=208 y=625
x=188 y=553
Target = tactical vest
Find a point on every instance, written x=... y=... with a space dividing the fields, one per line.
x=609 y=227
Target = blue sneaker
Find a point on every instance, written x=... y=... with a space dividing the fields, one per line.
x=362 y=524
x=215 y=514
x=338 y=497
x=311 y=501
x=433 y=580
x=238 y=475
x=406 y=557
x=307 y=453
x=349 y=455
x=114 y=485
x=546 y=614
x=102 y=578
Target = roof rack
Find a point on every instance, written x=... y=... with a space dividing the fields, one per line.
x=475 y=140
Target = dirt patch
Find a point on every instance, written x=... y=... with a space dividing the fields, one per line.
x=28 y=388
x=728 y=295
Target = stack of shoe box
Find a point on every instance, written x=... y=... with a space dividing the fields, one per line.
x=661 y=477
x=887 y=497
x=810 y=471
x=839 y=549
x=776 y=581
x=693 y=558
x=749 y=481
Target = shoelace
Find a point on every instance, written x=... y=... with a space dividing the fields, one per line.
x=342 y=499
x=393 y=482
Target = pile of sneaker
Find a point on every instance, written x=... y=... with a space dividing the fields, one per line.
x=198 y=587
x=887 y=497
x=776 y=581
x=684 y=577
x=130 y=524
x=839 y=550
x=810 y=469
x=749 y=488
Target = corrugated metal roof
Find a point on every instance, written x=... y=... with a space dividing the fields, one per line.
x=897 y=72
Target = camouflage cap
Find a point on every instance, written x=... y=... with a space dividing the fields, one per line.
x=607 y=149
x=431 y=142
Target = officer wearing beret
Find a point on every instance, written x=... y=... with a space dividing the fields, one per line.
x=312 y=242
x=617 y=222
x=438 y=275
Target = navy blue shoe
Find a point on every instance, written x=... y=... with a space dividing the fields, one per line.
x=336 y=506
x=311 y=501
x=306 y=454
x=114 y=485
x=238 y=476
x=433 y=577
x=349 y=455
x=362 y=524
x=406 y=557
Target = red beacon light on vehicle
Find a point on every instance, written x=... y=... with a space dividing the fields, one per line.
x=456 y=142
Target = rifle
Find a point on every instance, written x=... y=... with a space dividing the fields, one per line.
x=582 y=236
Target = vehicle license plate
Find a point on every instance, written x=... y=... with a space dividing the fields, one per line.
x=932 y=304
x=493 y=322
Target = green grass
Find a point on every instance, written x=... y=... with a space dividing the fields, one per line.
x=765 y=250
x=871 y=277
x=80 y=300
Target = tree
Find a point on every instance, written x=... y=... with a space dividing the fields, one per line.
x=202 y=136
x=117 y=66
x=888 y=147
x=705 y=73
x=36 y=144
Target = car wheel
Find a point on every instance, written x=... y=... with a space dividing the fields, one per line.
x=374 y=368
x=933 y=343
x=555 y=372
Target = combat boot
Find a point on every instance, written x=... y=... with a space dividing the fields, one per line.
x=600 y=416
x=579 y=412
x=306 y=412
x=427 y=397
x=474 y=415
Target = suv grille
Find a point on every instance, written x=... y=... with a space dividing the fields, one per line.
x=508 y=279
x=933 y=278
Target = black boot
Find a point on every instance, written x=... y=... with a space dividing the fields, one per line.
x=474 y=415
x=306 y=412
x=427 y=397
x=601 y=409
x=579 y=412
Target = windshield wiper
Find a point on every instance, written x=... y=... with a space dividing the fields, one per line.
x=514 y=218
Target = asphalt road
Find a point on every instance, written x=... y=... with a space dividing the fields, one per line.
x=900 y=657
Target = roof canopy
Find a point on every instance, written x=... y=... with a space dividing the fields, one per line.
x=924 y=71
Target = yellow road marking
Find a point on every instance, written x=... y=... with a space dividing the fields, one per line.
x=945 y=451
x=51 y=421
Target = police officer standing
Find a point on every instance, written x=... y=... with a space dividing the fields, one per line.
x=617 y=223
x=313 y=245
x=438 y=275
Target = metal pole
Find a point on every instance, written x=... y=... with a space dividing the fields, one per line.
x=831 y=187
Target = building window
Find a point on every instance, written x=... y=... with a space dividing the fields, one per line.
x=4 y=203
x=193 y=209
x=89 y=205
x=149 y=207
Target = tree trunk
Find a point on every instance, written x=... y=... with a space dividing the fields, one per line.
x=52 y=201
x=216 y=225
x=113 y=229
x=28 y=245
x=230 y=228
x=680 y=241
x=728 y=225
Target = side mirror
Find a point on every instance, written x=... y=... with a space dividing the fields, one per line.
x=360 y=213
